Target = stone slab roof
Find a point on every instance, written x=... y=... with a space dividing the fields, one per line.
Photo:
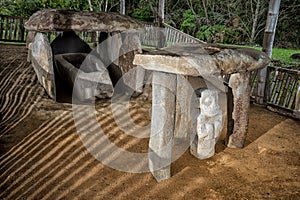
x=49 y=20
x=202 y=59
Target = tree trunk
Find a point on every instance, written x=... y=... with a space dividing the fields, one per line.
x=90 y=5
x=269 y=36
x=271 y=26
x=106 y=6
x=122 y=7
x=205 y=11
x=255 y=19
x=161 y=12
x=161 y=19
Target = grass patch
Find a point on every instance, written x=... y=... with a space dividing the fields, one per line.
x=284 y=55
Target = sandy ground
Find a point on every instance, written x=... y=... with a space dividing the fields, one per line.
x=43 y=157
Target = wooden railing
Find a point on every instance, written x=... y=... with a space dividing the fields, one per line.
x=175 y=36
x=171 y=36
x=283 y=90
x=12 y=29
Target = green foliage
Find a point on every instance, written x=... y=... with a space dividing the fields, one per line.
x=288 y=27
x=143 y=14
x=204 y=33
x=26 y=8
x=219 y=34
x=22 y=8
x=188 y=23
x=189 y=17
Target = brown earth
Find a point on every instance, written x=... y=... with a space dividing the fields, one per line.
x=42 y=156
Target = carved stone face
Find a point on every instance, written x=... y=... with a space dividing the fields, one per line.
x=209 y=103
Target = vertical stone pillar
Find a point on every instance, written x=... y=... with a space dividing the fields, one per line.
x=130 y=46
x=162 y=124
x=239 y=83
x=29 y=40
x=184 y=97
x=42 y=62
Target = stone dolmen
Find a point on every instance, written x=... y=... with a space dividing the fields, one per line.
x=175 y=108
x=51 y=63
x=187 y=80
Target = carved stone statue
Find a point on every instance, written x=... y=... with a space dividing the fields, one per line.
x=209 y=123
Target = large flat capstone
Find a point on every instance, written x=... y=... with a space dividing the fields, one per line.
x=65 y=20
x=202 y=59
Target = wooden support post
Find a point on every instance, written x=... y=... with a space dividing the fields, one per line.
x=241 y=102
x=297 y=102
x=269 y=36
x=6 y=28
x=15 y=28
x=162 y=124
x=10 y=34
x=1 y=27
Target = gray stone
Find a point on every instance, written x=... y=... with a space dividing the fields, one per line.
x=109 y=49
x=209 y=124
x=202 y=60
x=131 y=45
x=42 y=62
x=49 y=20
x=241 y=103
x=162 y=125
x=183 y=120
x=29 y=40
x=86 y=74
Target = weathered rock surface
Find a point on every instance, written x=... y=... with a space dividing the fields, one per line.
x=209 y=124
x=131 y=45
x=65 y=20
x=42 y=62
x=109 y=48
x=202 y=60
x=162 y=127
x=241 y=104
x=86 y=74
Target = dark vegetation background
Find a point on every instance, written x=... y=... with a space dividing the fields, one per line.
x=221 y=21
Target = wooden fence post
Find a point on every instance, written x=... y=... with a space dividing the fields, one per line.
x=1 y=26
x=297 y=103
x=269 y=36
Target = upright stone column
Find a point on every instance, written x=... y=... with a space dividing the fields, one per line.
x=162 y=124
x=131 y=45
x=42 y=62
x=239 y=83
x=183 y=120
